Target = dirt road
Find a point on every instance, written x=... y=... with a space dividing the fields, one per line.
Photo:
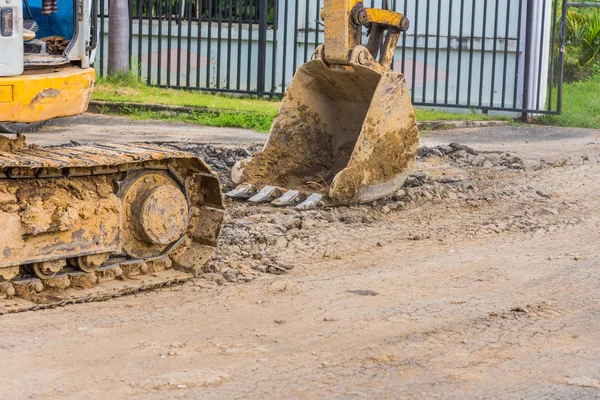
x=480 y=280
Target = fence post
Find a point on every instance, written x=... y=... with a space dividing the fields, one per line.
x=262 y=46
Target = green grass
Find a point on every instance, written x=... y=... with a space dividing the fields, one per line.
x=130 y=90
x=250 y=120
x=581 y=106
x=424 y=115
x=252 y=113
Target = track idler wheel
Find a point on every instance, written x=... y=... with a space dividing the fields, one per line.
x=48 y=269
x=89 y=263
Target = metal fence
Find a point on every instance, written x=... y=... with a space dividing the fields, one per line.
x=491 y=55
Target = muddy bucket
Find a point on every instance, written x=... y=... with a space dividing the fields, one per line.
x=348 y=132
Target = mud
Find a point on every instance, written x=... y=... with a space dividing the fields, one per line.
x=54 y=217
x=9 y=144
x=298 y=156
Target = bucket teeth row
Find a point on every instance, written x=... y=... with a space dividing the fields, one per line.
x=273 y=195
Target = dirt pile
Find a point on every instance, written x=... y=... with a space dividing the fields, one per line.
x=454 y=178
x=466 y=156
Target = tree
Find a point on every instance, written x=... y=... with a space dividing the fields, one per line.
x=118 y=37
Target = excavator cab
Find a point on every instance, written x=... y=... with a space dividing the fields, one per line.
x=346 y=131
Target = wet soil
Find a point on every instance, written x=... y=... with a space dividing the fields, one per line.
x=479 y=279
x=8 y=143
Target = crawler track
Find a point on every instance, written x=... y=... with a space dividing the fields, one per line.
x=77 y=217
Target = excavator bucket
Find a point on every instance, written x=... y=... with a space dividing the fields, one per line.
x=350 y=133
x=347 y=131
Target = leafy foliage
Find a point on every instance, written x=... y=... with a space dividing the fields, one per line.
x=582 y=50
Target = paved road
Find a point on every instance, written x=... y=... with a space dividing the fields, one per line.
x=94 y=128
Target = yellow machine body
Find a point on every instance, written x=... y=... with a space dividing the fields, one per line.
x=43 y=96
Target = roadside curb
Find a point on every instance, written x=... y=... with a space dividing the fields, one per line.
x=443 y=125
x=101 y=107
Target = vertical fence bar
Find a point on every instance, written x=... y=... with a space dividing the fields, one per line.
x=240 y=11
x=296 y=36
x=506 y=40
x=229 y=26
x=179 y=33
x=275 y=27
x=159 y=45
x=448 y=51
x=426 y=50
x=188 y=65
x=394 y=56
x=101 y=38
x=403 y=56
x=169 y=36
x=262 y=46
x=149 y=52
x=494 y=54
x=317 y=12
x=285 y=39
x=306 y=23
x=482 y=58
x=219 y=42
x=437 y=51
x=405 y=11
x=518 y=55
x=527 y=63
x=250 y=31
x=414 y=61
x=130 y=5
x=199 y=8
x=460 y=44
x=471 y=45
x=140 y=36
x=209 y=42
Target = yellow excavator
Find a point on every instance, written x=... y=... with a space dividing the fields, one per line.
x=79 y=215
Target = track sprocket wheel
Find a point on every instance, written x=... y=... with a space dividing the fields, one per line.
x=155 y=213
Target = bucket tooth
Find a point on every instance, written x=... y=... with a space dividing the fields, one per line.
x=266 y=194
x=243 y=191
x=289 y=198
x=313 y=201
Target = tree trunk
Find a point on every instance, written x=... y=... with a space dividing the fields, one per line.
x=118 y=37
